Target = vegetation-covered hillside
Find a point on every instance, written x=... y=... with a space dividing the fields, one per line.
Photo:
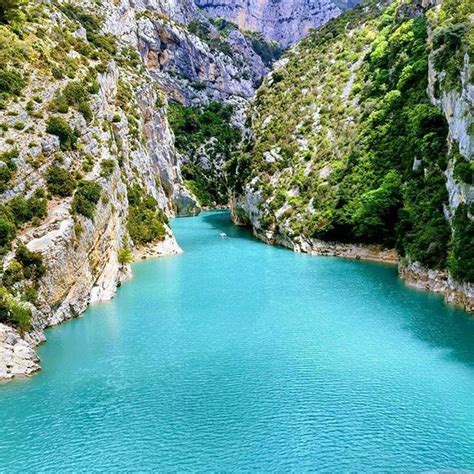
x=348 y=146
x=70 y=132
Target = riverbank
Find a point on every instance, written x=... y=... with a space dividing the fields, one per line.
x=18 y=356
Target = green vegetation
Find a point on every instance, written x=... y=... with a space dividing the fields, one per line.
x=92 y=24
x=146 y=222
x=357 y=141
x=125 y=256
x=19 y=281
x=7 y=168
x=462 y=249
x=107 y=168
x=26 y=210
x=269 y=51
x=13 y=312
x=86 y=197
x=205 y=132
x=67 y=136
x=452 y=39
x=11 y=84
x=75 y=94
x=11 y=11
x=217 y=43
x=60 y=182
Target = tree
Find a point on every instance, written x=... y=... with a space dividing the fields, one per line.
x=11 y=10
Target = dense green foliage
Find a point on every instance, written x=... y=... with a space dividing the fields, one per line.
x=67 y=136
x=453 y=38
x=60 y=182
x=86 y=197
x=269 y=51
x=75 y=94
x=13 y=312
x=92 y=24
x=146 y=222
x=205 y=133
x=11 y=84
x=11 y=10
x=357 y=141
x=17 y=212
x=7 y=168
x=462 y=253
x=26 y=266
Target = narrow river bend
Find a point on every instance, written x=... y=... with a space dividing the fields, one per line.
x=238 y=356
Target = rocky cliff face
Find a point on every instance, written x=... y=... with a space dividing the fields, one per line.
x=90 y=171
x=284 y=21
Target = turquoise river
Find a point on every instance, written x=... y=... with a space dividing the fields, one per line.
x=238 y=356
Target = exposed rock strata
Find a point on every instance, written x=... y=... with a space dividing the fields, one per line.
x=285 y=21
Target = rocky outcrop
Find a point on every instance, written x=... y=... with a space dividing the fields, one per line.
x=455 y=293
x=190 y=70
x=285 y=21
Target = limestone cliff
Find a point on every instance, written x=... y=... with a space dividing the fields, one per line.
x=284 y=21
x=89 y=170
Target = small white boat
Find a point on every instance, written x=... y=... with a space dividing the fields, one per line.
x=223 y=235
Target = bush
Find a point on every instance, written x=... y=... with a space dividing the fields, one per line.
x=377 y=214
x=209 y=126
x=7 y=232
x=107 y=168
x=32 y=262
x=464 y=171
x=125 y=256
x=461 y=257
x=25 y=210
x=11 y=84
x=14 y=313
x=146 y=222
x=13 y=274
x=60 y=182
x=11 y=10
x=7 y=168
x=67 y=136
x=87 y=196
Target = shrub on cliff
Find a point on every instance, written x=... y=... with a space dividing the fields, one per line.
x=7 y=168
x=24 y=210
x=11 y=84
x=13 y=312
x=461 y=258
x=11 y=11
x=86 y=198
x=32 y=262
x=60 y=182
x=146 y=222
x=67 y=136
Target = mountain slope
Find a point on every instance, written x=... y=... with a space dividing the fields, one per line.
x=356 y=151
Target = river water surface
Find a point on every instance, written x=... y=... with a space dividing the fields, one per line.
x=237 y=356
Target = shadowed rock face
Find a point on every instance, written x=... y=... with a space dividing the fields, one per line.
x=285 y=21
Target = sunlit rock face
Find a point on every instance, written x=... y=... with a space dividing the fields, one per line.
x=285 y=21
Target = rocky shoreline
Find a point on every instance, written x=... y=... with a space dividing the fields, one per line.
x=457 y=294
x=18 y=356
